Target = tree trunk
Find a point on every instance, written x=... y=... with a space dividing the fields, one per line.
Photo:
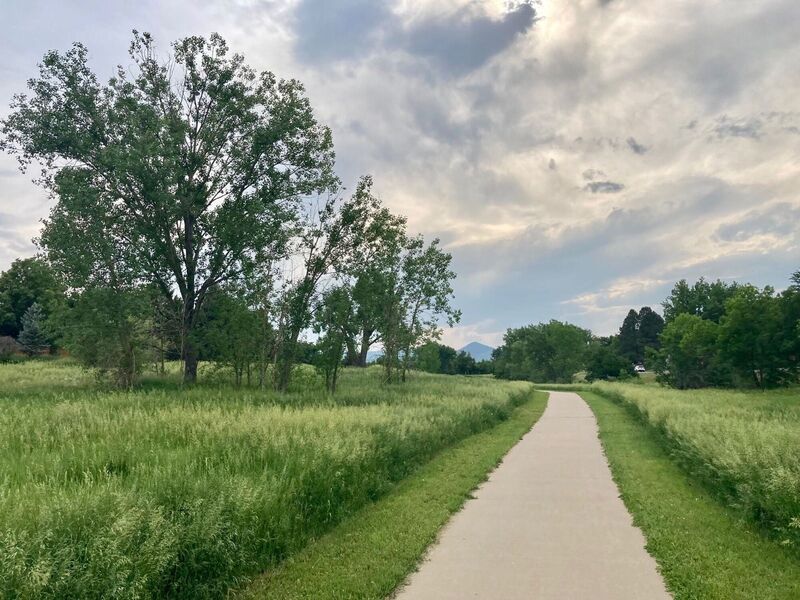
x=362 y=355
x=353 y=356
x=190 y=360
x=285 y=360
x=190 y=352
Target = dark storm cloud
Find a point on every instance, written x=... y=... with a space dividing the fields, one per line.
x=457 y=42
x=467 y=39
x=329 y=31
x=604 y=187
x=636 y=147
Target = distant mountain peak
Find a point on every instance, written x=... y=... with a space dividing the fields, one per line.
x=478 y=351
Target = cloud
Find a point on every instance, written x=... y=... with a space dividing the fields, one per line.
x=779 y=220
x=592 y=174
x=465 y=39
x=334 y=31
x=604 y=187
x=456 y=41
x=744 y=128
x=508 y=132
x=636 y=147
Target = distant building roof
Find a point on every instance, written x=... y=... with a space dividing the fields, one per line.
x=8 y=345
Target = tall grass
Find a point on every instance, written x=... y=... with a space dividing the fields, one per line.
x=184 y=493
x=745 y=445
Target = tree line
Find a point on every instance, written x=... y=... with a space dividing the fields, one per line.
x=713 y=333
x=198 y=216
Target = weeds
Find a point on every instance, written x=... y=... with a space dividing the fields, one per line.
x=166 y=492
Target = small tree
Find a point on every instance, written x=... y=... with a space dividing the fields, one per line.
x=332 y=320
x=605 y=362
x=375 y=275
x=689 y=356
x=109 y=329
x=427 y=358
x=33 y=337
x=230 y=333
x=751 y=336
x=330 y=232
x=423 y=294
x=464 y=364
x=546 y=352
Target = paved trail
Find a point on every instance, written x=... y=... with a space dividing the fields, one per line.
x=548 y=524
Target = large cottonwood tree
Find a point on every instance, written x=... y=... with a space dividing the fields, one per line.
x=197 y=160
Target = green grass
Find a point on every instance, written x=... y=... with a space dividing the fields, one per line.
x=745 y=446
x=704 y=549
x=373 y=551
x=170 y=492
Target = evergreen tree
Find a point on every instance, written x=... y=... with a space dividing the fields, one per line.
x=629 y=345
x=33 y=337
x=650 y=327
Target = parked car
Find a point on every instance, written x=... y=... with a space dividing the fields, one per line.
x=639 y=368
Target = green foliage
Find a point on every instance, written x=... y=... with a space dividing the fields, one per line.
x=228 y=334
x=329 y=235
x=752 y=337
x=744 y=445
x=428 y=357
x=190 y=167
x=752 y=340
x=433 y=357
x=334 y=321
x=464 y=364
x=420 y=294
x=689 y=356
x=27 y=281
x=605 y=362
x=168 y=493
x=551 y=352
x=651 y=324
x=107 y=329
x=374 y=274
x=703 y=299
x=195 y=172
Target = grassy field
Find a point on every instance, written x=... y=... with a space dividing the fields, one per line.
x=704 y=549
x=166 y=492
x=372 y=552
x=745 y=446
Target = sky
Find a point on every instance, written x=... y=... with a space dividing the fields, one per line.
x=576 y=157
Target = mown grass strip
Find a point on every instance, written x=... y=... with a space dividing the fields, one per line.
x=372 y=552
x=704 y=550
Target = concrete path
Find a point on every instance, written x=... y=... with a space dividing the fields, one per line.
x=548 y=524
